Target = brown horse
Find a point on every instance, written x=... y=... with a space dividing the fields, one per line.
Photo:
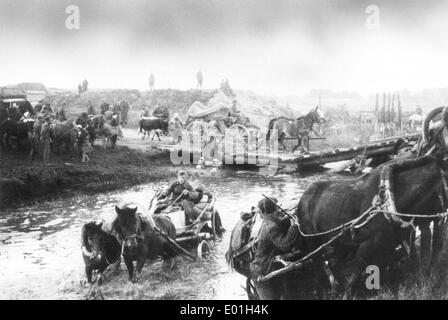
x=141 y=239
x=299 y=128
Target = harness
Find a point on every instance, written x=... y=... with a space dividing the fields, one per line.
x=383 y=203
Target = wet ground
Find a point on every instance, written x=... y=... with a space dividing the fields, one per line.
x=40 y=254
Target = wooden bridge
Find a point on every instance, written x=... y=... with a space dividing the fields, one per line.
x=263 y=157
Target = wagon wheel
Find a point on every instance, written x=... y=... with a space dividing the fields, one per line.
x=251 y=291
x=254 y=136
x=197 y=128
x=240 y=133
x=203 y=249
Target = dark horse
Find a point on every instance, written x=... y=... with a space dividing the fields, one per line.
x=417 y=185
x=141 y=239
x=147 y=124
x=99 y=249
x=299 y=128
x=15 y=130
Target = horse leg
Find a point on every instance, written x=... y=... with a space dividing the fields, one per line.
x=425 y=248
x=158 y=136
x=437 y=241
x=113 y=141
x=130 y=266
x=89 y=273
x=372 y=252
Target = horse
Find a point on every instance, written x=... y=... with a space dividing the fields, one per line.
x=99 y=249
x=140 y=239
x=98 y=126
x=147 y=124
x=15 y=130
x=64 y=136
x=328 y=204
x=295 y=128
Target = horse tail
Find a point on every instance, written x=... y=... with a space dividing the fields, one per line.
x=140 y=124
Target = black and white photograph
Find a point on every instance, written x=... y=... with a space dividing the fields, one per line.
x=223 y=150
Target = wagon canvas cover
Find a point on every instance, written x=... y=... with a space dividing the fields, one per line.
x=218 y=106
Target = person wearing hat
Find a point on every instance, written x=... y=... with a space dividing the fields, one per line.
x=272 y=240
x=179 y=190
x=83 y=120
x=45 y=138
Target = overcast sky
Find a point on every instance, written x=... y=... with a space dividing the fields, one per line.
x=268 y=46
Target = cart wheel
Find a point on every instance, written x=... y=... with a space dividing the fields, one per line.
x=252 y=293
x=203 y=249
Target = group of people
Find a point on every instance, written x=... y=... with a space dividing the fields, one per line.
x=117 y=112
x=199 y=79
x=276 y=237
x=182 y=193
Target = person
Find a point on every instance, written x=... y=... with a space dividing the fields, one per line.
x=124 y=107
x=195 y=206
x=415 y=121
x=145 y=112
x=109 y=113
x=83 y=120
x=83 y=143
x=60 y=114
x=37 y=127
x=45 y=138
x=161 y=112
x=273 y=240
x=179 y=190
x=151 y=82
x=38 y=107
x=79 y=89
x=91 y=108
x=47 y=108
x=104 y=107
x=85 y=85
x=176 y=128
x=199 y=78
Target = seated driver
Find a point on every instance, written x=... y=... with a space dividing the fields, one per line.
x=179 y=190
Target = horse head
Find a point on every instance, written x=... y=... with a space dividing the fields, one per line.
x=93 y=241
x=316 y=116
x=128 y=226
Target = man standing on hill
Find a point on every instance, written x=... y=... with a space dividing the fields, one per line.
x=151 y=82
x=85 y=84
x=199 y=77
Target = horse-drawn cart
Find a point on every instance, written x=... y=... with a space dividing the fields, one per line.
x=218 y=122
x=194 y=235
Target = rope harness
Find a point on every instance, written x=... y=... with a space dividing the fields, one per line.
x=383 y=203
